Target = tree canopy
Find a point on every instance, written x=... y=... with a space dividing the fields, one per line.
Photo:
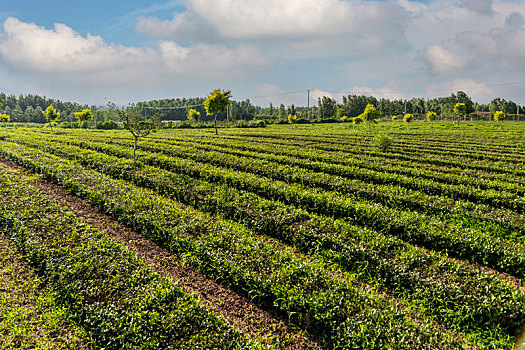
x=51 y=114
x=84 y=116
x=194 y=116
x=217 y=102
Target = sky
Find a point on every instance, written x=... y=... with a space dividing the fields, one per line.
x=269 y=51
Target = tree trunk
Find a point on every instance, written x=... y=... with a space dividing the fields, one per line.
x=215 y=122
x=135 y=150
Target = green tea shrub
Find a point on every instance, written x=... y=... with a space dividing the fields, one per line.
x=383 y=142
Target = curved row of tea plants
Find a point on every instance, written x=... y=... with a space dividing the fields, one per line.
x=455 y=234
x=311 y=173
x=30 y=317
x=417 y=146
x=377 y=259
x=106 y=289
x=329 y=304
x=502 y=223
x=360 y=148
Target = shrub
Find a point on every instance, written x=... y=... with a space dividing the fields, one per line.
x=383 y=142
x=408 y=118
x=303 y=121
x=431 y=116
x=499 y=116
x=292 y=118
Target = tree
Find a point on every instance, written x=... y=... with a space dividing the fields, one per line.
x=460 y=110
x=194 y=116
x=408 y=117
x=282 y=111
x=499 y=116
x=370 y=115
x=84 y=116
x=327 y=107
x=216 y=103
x=431 y=116
x=137 y=124
x=292 y=119
x=4 y=118
x=462 y=97
x=357 y=120
x=51 y=115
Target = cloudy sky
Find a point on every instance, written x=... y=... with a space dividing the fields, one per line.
x=265 y=50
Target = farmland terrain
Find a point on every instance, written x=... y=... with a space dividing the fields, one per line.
x=290 y=237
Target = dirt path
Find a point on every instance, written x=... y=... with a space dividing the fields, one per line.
x=239 y=311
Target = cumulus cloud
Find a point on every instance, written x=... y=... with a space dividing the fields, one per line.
x=308 y=27
x=30 y=48
x=500 y=49
x=209 y=59
x=441 y=61
x=483 y=7
x=478 y=91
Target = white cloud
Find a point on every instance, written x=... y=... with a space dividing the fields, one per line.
x=27 y=47
x=441 y=61
x=478 y=91
x=500 y=49
x=312 y=28
x=30 y=47
x=483 y=7
x=210 y=60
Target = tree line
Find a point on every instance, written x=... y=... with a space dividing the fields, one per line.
x=29 y=108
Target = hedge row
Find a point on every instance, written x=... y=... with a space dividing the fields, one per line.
x=330 y=305
x=106 y=289
x=427 y=280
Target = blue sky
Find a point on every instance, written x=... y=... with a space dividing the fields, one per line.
x=265 y=50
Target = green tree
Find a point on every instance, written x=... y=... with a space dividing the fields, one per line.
x=499 y=116
x=4 y=118
x=282 y=111
x=408 y=117
x=370 y=115
x=292 y=119
x=460 y=110
x=137 y=124
x=216 y=103
x=84 y=116
x=51 y=115
x=194 y=116
x=357 y=120
x=327 y=107
x=431 y=116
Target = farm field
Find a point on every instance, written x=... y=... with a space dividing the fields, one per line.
x=292 y=237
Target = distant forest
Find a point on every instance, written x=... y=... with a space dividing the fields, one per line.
x=28 y=108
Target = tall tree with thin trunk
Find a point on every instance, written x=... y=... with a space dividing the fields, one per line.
x=460 y=110
x=51 y=115
x=137 y=124
x=370 y=115
x=216 y=103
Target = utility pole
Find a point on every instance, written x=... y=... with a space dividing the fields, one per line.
x=308 y=110
x=517 y=112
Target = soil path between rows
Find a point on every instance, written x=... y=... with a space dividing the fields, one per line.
x=238 y=310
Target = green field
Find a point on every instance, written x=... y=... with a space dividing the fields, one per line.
x=421 y=246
